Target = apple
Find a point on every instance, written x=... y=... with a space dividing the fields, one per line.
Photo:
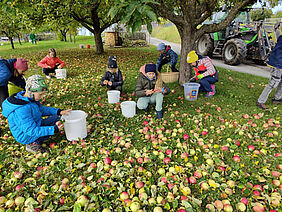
x=139 y=184
x=19 y=187
x=244 y=200
x=19 y=200
x=135 y=206
x=65 y=181
x=124 y=195
x=82 y=200
x=258 y=207
x=18 y=174
x=158 y=209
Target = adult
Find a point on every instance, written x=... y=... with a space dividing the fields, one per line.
x=275 y=63
x=205 y=72
x=11 y=70
x=167 y=55
x=32 y=38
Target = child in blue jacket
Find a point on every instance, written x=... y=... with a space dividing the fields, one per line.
x=167 y=55
x=24 y=113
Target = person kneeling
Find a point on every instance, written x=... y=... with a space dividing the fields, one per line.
x=150 y=89
x=204 y=71
x=24 y=113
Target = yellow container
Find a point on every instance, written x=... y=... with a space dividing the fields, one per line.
x=13 y=89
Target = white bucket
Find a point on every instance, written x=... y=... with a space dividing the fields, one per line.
x=113 y=96
x=128 y=108
x=75 y=125
x=61 y=73
x=81 y=46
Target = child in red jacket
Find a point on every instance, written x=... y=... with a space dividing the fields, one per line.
x=50 y=63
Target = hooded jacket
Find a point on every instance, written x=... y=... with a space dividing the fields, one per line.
x=144 y=83
x=24 y=117
x=168 y=54
x=115 y=78
x=6 y=70
x=275 y=57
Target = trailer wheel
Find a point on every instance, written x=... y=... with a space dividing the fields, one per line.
x=205 y=45
x=234 y=51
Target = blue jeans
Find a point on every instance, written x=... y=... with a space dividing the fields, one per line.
x=50 y=121
x=205 y=83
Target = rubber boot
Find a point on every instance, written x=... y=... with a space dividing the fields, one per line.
x=159 y=114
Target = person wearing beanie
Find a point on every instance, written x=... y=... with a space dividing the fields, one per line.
x=167 y=55
x=11 y=70
x=205 y=72
x=24 y=113
x=113 y=78
x=275 y=63
x=150 y=89
x=50 y=63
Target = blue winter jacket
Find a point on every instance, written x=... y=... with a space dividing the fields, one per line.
x=6 y=70
x=275 y=57
x=24 y=117
x=168 y=54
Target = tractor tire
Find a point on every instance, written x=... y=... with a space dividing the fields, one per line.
x=234 y=51
x=205 y=45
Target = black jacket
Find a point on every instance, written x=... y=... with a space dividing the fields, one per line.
x=115 y=78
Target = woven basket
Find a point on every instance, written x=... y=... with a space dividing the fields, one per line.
x=169 y=77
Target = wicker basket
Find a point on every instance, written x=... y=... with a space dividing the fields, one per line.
x=169 y=77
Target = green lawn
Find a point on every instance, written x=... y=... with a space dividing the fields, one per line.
x=167 y=33
x=227 y=142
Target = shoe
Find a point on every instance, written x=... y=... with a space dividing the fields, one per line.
x=213 y=88
x=159 y=114
x=276 y=101
x=48 y=77
x=35 y=148
x=210 y=94
x=261 y=105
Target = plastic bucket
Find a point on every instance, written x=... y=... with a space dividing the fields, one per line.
x=88 y=46
x=81 y=46
x=113 y=96
x=191 y=91
x=128 y=108
x=75 y=125
x=12 y=88
x=61 y=73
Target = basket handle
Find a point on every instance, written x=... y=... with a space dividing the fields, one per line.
x=167 y=68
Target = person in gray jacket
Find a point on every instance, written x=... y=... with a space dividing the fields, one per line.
x=150 y=89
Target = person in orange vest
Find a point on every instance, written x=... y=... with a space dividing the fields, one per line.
x=205 y=72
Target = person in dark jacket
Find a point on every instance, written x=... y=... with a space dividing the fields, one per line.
x=205 y=72
x=113 y=78
x=24 y=113
x=167 y=55
x=11 y=70
x=150 y=89
x=275 y=63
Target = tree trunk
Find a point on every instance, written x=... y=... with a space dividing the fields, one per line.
x=19 y=38
x=98 y=42
x=12 y=42
x=74 y=39
x=70 y=37
x=187 y=44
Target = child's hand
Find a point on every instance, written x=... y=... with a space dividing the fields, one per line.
x=105 y=82
x=149 y=92
x=110 y=83
x=59 y=67
x=59 y=125
x=157 y=90
x=65 y=112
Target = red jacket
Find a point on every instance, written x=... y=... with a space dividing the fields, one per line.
x=204 y=67
x=50 y=61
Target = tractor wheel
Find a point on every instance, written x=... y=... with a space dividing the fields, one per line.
x=205 y=45
x=234 y=51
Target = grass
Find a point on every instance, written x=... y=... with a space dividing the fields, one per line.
x=167 y=33
x=121 y=139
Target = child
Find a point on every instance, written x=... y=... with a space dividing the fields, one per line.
x=167 y=55
x=50 y=63
x=24 y=113
x=150 y=89
x=275 y=62
x=204 y=71
x=113 y=78
x=11 y=70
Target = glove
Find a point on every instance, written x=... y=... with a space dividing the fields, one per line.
x=193 y=79
x=200 y=76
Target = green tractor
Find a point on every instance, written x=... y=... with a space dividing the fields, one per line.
x=241 y=40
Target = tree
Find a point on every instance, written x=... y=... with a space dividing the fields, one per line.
x=261 y=14
x=188 y=15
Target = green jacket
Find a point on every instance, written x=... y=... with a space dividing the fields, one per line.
x=144 y=83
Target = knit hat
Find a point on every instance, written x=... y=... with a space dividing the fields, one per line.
x=21 y=64
x=35 y=83
x=192 y=57
x=150 y=68
x=161 y=47
x=112 y=62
